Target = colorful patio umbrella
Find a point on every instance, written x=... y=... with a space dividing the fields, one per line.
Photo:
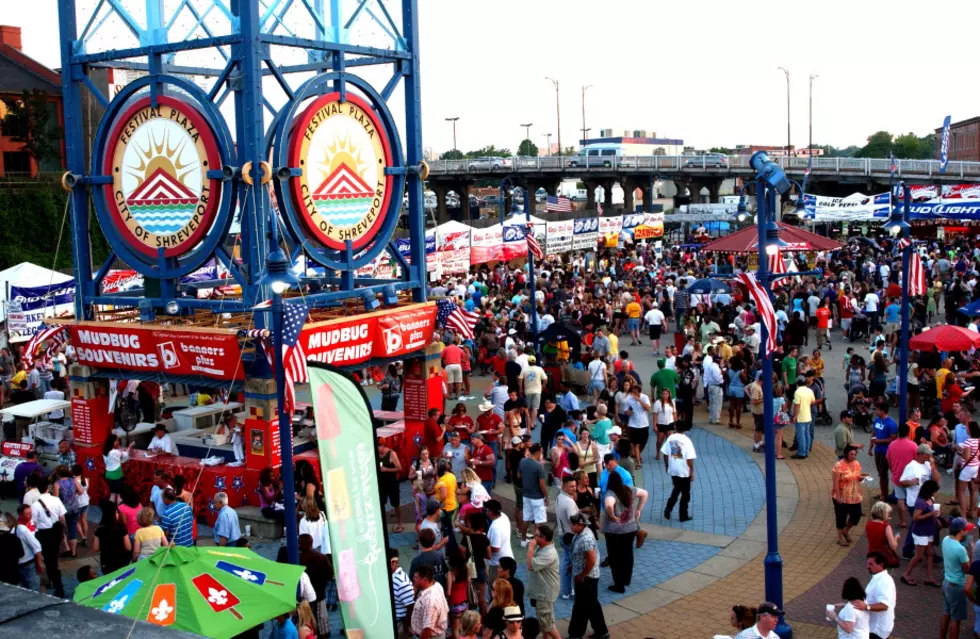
x=707 y=286
x=945 y=338
x=215 y=592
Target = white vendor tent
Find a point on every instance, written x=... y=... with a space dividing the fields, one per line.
x=29 y=275
x=521 y=218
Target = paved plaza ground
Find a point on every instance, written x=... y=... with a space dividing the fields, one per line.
x=688 y=575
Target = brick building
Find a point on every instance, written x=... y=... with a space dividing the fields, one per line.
x=964 y=140
x=19 y=72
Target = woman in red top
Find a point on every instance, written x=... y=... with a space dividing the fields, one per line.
x=881 y=538
x=461 y=422
x=457 y=584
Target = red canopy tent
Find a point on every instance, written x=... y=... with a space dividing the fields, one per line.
x=747 y=241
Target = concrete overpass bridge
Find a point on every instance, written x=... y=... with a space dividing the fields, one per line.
x=828 y=176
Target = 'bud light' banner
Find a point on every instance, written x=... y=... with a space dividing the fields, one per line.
x=585 y=233
x=29 y=305
x=944 y=146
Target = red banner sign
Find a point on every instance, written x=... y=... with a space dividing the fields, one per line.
x=135 y=348
x=353 y=341
x=16 y=449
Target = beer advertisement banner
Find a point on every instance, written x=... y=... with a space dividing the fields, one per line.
x=453 y=252
x=349 y=467
x=559 y=237
x=187 y=352
x=487 y=244
x=608 y=225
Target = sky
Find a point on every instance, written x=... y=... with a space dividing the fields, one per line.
x=706 y=72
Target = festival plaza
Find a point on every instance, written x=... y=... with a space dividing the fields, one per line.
x=351 y=318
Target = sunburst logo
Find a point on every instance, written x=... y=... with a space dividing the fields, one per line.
x=344 y=152
x=159 y=160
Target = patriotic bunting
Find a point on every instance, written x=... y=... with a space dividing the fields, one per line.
x=766 y=311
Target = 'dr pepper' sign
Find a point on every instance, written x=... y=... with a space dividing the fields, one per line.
x=177 y=352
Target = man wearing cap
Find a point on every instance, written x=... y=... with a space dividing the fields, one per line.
x=844 y=435
x=956 y=563
x=532 y=382
x=752 y=340
x=585 y=573
x=916 y=473
x=767 y=617
x=712 y=383
x=803 y=400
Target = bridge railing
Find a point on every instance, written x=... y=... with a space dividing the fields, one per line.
x=735 y=164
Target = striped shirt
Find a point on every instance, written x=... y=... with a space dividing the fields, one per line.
x=404 y=593
x=177 y=522
x=970 y=450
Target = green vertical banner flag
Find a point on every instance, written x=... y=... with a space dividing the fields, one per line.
x=349 y=464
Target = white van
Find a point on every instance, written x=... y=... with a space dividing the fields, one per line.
x=597 y=155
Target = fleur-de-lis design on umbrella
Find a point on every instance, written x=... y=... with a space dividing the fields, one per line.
x=246 y=574
x=162 y=611
x=217 y=597
x=116 y=605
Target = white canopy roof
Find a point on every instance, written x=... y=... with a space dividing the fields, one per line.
x=520 y=218
x=27 y=274
x=37 y=408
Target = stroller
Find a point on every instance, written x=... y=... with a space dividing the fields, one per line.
x=860 y=327
x=823 y=417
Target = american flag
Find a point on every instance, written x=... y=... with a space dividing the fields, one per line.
x=764 y=304
x=598 y=207
x=533 y=247
x=55 y=336
x=558 y=204
x=263 y=305
x=917 y=276
x=904 y=243
x=293 y=355
x=250 y=333
x=450 y=315
x=777 y=266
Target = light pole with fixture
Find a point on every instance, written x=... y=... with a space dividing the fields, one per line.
x=898 y=226
x=558 y=112
x=810 y=144
x=548 y=136
x=454 y=120
x=527 y=134
x=585 y=131
x=786 y=71
x=279 y=278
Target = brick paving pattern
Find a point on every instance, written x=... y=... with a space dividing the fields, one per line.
x=726 y=496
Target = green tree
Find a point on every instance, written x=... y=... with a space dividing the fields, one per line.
x=569 y=150
x=720 y=149
x=489 y=151
x=880 y=145
x=452 y=154
x=912 y=147
x=29 y=119
x=527 y=149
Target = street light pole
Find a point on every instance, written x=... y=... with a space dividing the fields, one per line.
x=548 y=136
x=766 y=194
x=899 y=226
x=285 y=432
x=810 y=144
x=558 y=112
x=453 y=120
x=527 y=134
x=585 y=131
x=786 y=71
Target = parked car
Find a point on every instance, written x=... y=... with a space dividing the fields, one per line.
x=708 y=160
x=597 y=155
x=540 y=195
x=489 y=164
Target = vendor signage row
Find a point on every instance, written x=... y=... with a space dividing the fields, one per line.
x=558 y=237
x=155 y=350
x=390 y=334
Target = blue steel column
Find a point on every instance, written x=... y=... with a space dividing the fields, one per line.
x=903 y=363
x=75 y=159
x=648 y=205
x=766 y=204
x=530 y=266
x=413 y=149
x=250 y=144
x=285 y=434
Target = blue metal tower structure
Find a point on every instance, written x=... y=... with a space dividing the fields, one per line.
x=257 y=52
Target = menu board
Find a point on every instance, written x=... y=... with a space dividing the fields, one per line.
x=413 y=395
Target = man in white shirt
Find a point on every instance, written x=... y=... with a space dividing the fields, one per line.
x=916 y=473
x=752 y=340
x=499 y=536
x=655 y=320
x=712 y=382
x=637 y=407
x=767 y=617
x=48 y=515
x=880 y=598
x=161 y=442
x=871 y=301
x=679 y=456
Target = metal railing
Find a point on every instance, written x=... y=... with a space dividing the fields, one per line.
x=733 y=164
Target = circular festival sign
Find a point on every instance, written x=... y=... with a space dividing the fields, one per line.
x=160 y=196
x=343 y=150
